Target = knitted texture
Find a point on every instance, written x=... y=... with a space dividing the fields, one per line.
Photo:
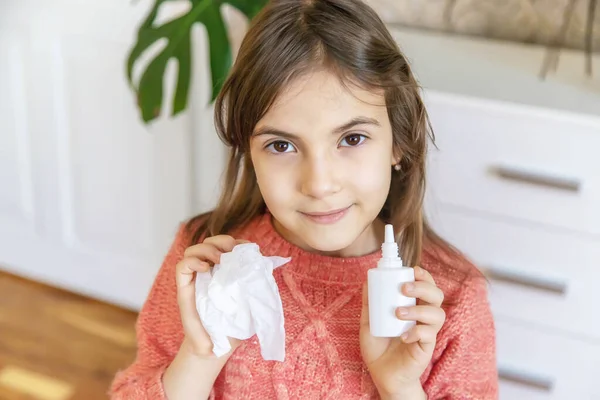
x=322 y=304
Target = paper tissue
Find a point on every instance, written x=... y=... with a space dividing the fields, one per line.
x=240 y=298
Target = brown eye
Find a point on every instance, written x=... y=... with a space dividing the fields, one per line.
x=353 y=140
x=280 y=146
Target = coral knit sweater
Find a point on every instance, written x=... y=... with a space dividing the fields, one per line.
x=321 y=299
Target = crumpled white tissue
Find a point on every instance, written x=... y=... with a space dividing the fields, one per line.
x=240 y=298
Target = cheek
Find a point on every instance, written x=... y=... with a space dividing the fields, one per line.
x=371 y=176
x=374 y=188
x=274 y=182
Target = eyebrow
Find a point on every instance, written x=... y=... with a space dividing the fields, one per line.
x=267 y=130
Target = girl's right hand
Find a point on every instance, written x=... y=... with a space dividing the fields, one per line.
x=199 y=258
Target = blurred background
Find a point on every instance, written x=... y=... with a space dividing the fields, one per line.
x=96 y=175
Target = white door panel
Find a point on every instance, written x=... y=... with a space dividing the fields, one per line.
x=89 y=196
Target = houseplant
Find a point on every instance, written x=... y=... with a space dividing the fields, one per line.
x=177 y=32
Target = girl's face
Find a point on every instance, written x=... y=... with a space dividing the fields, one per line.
x=323 y=156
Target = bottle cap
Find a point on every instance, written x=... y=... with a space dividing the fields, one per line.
x=390 y=247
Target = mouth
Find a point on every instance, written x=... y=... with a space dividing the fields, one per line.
x=327 y=217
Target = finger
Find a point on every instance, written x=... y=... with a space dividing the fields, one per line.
x=186 y=298
x=204 y=252
x=424 y=334
x=186 y=268
x=225 y=243
x=364 y=315
x=422 y=274
x=242 y=241
x=429 y=315
x=425 y=291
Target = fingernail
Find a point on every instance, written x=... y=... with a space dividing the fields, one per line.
x=404 y=336
x=409 y=287
x=403 y=312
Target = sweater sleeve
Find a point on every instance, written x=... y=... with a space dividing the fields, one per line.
x=159 y=334
x=466 y=366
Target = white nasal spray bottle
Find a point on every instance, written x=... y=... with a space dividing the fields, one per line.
x=385 y=284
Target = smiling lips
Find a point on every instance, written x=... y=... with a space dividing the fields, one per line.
x=328 y=217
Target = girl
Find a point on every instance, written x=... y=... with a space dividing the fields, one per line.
x=328 y=138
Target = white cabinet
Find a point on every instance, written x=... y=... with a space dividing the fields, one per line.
x=542 y=364
x=515 y=185
x=90 y=197
x=489 y=155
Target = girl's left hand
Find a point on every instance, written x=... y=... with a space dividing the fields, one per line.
x=396 y=364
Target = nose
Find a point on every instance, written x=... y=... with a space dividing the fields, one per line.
x=319 y=177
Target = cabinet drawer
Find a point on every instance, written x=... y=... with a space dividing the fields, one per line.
x=522 y=164
x=540 y=365
x=535 y=275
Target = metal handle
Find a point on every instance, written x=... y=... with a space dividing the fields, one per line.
x=526 y=378
x=549 y=284
x=537 y=178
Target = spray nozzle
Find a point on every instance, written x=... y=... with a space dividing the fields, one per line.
x=389 y=247
x=389 y=234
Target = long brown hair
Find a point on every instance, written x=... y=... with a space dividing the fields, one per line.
x=287 y=39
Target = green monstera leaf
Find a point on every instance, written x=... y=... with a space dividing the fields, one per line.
x=177 y=33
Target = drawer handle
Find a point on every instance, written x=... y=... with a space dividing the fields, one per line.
x=537 y=178
x=526 y=378
x=548 y=284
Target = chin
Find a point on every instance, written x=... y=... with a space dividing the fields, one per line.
x=331 y=238
x=329 y=245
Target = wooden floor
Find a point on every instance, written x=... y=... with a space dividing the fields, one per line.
x=55 y=345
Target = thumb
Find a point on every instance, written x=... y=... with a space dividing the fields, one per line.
x=364 y=315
